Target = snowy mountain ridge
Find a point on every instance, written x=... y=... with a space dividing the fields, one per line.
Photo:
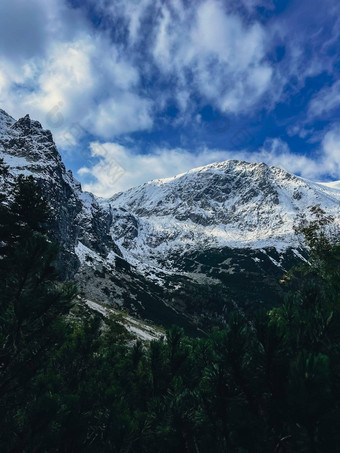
x=88 y=254
x=178 y=250
x=225 y=204
x=28 y=149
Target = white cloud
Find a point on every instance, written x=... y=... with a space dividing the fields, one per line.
x=325 y=101
x=277 y=153
x=221 y=56
x=139 y=168
x=120 y=168
x=325 y=163
x=77 y=76
x=250 y=5
x=3 y=85
x=125 y=113
x=64 y=71
x=155 y=51
x=129 y=12
x=331 y=149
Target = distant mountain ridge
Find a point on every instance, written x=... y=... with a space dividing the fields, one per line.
x=177 y=250
x=226 y=204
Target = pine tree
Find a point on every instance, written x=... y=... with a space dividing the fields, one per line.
x=309 y=325
x=3 y=168
x=32 y=300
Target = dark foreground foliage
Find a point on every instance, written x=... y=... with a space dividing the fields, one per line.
x=68 y=383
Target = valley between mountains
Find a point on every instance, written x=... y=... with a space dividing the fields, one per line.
x=182 y=250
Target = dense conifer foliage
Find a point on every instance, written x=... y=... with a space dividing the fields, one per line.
x=72 y=381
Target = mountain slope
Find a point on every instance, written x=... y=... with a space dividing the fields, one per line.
x=80 y=225
x=180 y=250
x=231 y=204
x=228 y=226
x=30 y=150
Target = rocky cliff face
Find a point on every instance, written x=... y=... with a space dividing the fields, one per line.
x=89 y=255
x=231 y=204
x=29 y=149
x=179 y=250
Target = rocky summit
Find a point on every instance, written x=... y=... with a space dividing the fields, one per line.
x=181 y=250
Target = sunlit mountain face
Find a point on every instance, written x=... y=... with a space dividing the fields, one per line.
x=181 y=250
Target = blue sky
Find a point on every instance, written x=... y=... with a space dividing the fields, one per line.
x=136 y=90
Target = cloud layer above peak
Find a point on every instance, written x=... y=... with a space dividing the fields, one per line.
x=153 y=75
x=120 y=168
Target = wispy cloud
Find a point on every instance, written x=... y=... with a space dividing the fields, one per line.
x=116 y=68
x=101 y=80
x=325 y=101
x=214 y=52
x=82 y=73
x=120 y=167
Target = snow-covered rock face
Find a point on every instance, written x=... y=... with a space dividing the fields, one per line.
x=226 y=204
x=81 y=226
x=30 y=150
x=26 y=144
x=176 y=250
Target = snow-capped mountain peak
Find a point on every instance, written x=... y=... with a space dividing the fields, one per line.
x=227 y=225
x=224 y=204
